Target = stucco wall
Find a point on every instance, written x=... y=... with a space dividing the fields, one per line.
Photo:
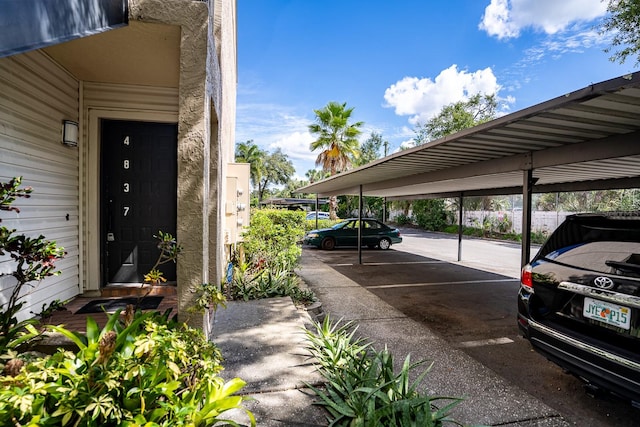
x=206 y=123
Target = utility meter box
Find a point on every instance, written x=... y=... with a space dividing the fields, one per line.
x=237 y=202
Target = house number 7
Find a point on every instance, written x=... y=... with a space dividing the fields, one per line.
x=126 y=210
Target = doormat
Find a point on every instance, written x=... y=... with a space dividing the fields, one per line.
x=112 y=305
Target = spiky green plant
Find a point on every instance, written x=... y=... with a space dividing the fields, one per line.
x=363 y=388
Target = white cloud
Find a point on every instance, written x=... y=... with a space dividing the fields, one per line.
x=272 y=126
x=506 y=18
x=423 y=98
x=296 y=146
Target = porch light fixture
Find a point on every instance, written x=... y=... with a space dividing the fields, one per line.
x=70 y=133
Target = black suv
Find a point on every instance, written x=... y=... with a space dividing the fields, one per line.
x=579 y=300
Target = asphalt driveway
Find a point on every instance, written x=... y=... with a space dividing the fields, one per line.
x=472 y=305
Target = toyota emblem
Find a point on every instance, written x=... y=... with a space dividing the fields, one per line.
x=603 y=282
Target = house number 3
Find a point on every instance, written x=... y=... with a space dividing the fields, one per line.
x=126 y=187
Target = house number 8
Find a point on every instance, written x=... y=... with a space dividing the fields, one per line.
x=126 y=164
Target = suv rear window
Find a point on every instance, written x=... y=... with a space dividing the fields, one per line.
x=581 y=229
x=605 y=256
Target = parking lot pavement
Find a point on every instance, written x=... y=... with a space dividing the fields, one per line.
x=489 y=400
x=500 y=257
x=471 y=305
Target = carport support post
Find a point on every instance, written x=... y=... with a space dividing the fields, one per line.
x=360 y=206
x=527 y=191
x=460 y=227
x=316 y=211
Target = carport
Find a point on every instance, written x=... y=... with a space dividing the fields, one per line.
x=585 y=140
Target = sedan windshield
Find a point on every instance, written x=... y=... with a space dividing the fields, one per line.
x=340 y=225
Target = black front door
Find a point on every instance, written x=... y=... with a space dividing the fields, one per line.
x=139 y=180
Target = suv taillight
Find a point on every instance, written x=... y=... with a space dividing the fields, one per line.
x=526 y=278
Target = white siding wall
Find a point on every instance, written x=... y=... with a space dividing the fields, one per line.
x=35 y=97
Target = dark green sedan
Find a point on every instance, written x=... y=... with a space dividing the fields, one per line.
x=345 y=233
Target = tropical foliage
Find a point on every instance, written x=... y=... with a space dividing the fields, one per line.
x=337 y=140
x=266 y=169
x=363 y=386
x=271 y=252
x=138 y=373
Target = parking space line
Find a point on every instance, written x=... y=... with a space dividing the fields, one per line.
x=464 y=282
x=391 y=263
x=482 y=343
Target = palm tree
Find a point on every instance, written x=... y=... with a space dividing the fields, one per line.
x=249 y=152
x=314 y=175
x=337 y=139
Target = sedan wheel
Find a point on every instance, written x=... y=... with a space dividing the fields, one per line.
x=384 y=243
x=328 y=244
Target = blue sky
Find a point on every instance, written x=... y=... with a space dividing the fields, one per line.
x=397 y=63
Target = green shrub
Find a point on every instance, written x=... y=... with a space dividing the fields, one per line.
x=402 y=219
x=364 y=389
x=273 y=236
x=138 y=374
x=249 y=284
x=452 y=229
x=310 y=224
x=272 y=249
x=539 y=237
x=430 y=214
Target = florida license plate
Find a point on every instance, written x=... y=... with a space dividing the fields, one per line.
x=605 y=312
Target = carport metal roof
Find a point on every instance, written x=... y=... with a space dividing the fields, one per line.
x=587 y=139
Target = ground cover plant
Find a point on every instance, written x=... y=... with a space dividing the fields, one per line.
x=265 y=265
x=140 y=372
x=364 y=389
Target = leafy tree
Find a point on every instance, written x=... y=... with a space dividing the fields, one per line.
x=370 y=149
x=624 y=22
x=290 y=187
x=456 y=117
x=480 y=108
x=337 y=141
x=277 y=169
x=266 y=168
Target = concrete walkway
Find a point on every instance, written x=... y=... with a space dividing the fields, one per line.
x=263 y=343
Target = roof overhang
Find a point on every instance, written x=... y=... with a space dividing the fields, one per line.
x=587 y=139
x=31 y=24
x=293 y=202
